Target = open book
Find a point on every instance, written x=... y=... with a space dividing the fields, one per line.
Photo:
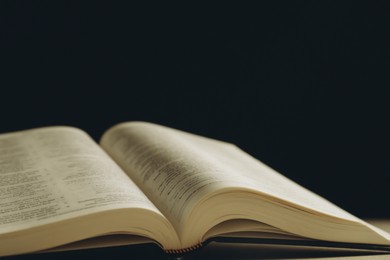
x=149 y=183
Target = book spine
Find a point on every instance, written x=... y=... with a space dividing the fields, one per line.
x=183 y=250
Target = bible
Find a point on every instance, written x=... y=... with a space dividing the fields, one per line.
x=147 y=183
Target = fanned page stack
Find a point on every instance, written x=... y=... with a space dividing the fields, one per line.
x=149 y=183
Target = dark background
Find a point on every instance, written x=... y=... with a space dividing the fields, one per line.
x=302 y=86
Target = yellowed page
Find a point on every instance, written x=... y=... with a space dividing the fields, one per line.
x=179 y=171
x=165 y=164
x=176 y=168
x=51 y=174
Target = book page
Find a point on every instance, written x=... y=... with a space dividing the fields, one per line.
x=54 y=173
x=177 y=170
x=163 y=165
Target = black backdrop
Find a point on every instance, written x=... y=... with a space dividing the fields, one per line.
x=302 y=86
